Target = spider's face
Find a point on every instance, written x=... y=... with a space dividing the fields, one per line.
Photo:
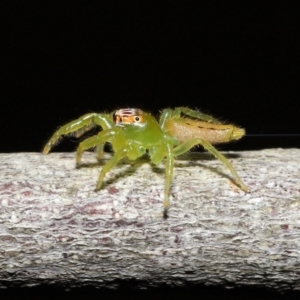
x=127 y=116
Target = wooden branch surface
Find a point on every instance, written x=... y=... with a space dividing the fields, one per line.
x=54 y=228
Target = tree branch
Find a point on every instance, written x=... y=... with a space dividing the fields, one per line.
x=54 y=228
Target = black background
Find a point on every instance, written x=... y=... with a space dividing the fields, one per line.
x=238 y=61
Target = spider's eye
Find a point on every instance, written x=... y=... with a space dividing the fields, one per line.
x=137 y=119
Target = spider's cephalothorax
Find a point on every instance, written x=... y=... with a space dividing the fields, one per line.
x=133 y=132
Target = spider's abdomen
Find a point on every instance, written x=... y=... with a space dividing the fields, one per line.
x=185 y=129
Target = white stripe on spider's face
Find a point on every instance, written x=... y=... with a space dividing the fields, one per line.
x=129 y=112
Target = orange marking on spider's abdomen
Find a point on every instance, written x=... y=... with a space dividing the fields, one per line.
x=185 y=129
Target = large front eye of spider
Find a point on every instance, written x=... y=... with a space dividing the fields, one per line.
x=137 y=119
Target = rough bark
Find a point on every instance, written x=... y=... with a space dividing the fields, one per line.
x=54 y=228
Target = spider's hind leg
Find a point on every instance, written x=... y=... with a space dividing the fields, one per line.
x=197 y=115
x=170 y=113
x=184 y=147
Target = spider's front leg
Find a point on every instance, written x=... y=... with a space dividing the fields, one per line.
x=95 y=141
x=186 y=146
x=110 y=164
x=101 y=138
x=169 y=177
x=80 y=125
x=157 y=154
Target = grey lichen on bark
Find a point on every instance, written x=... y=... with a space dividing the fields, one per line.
x=55 y=228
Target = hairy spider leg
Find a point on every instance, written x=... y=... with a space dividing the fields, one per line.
x=80 y=132
x=197 y=115
x=103 y=120
x=169 y=177
x=99 y=148
x=170 y=113
x=110 y=164
x=157 y=154
x=100 y=151
x=186 y=146
x=101 y=138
